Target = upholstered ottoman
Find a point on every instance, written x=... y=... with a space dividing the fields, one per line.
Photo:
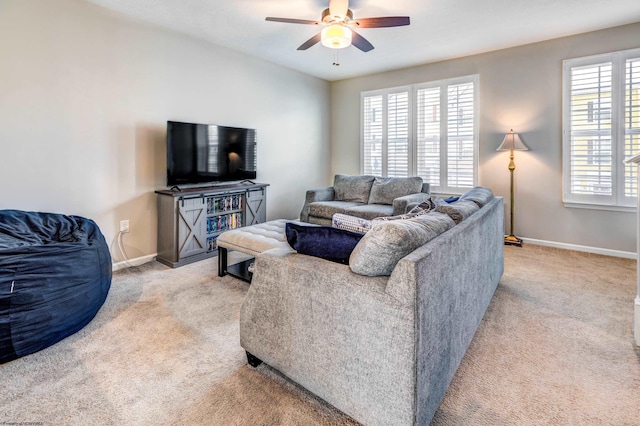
x=251 y=240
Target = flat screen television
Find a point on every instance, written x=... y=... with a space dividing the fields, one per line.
x=207 y=153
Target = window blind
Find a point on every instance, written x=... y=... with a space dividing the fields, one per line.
x=601 y=113
x=591 y=131
x=372 y=135
x=398 y=134
x=428 y=135
x=460 y=132
x=427 y=130
x=631 y=124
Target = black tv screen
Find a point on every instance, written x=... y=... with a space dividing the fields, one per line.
x=206 y=153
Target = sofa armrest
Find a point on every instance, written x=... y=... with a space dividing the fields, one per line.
x=400 y=204
x=313 y=195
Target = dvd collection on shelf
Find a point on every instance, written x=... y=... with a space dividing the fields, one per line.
x=224 y=204
x=221 y=222
x=212 y=243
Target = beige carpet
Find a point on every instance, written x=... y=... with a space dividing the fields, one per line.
x=555 y=347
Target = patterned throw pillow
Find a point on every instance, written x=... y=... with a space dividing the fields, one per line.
x=350 y=223
x=422 y=208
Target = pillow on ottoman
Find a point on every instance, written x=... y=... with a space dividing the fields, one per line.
x=352 y=188
x=322 y=241
x=387 y=242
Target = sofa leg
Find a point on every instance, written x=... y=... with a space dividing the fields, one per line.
x=253 y=361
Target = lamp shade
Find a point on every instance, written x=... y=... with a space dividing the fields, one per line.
x=512 y=141
x=336 y=36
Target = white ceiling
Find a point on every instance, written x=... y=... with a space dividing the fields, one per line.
x=440 y=29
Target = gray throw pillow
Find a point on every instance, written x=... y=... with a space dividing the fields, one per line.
x=352 y=188
x=386 y=243
x=479 y=195
x=459 y=210
x=385 y=190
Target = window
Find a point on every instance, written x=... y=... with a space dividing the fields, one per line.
x=601 y=120
x=428 y=130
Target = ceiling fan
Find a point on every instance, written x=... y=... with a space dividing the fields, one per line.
x=338 y=23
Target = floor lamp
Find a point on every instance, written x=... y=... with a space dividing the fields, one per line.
x=512 y=142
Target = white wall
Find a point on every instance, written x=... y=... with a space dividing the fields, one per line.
x=520 y=88
x=85 y=94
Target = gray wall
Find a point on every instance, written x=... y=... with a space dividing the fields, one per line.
x=520 y=88
x=85 y=94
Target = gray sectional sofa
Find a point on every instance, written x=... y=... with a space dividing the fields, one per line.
x=382 y=344
x=363 y=196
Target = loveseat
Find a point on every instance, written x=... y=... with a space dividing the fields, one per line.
x=383 y=343
x=363 y=196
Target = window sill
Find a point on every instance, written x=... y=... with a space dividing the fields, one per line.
x=628 y=209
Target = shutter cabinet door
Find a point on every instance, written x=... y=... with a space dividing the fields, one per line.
x=256 y=207
x=191 y=227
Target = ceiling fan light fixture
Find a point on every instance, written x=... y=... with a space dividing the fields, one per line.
x=336 y=36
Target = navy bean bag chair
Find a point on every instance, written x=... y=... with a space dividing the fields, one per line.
x=55 y=273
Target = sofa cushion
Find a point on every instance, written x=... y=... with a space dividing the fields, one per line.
x=459 y=210
x=479 y=195
x=385 y=190
x=387 y=242
x=327 y=209
x=326 y=242
x=352 y=188
x=370 y=211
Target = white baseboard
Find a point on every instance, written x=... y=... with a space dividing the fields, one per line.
x=133 y=262
x=587 y=249
x=596 y=250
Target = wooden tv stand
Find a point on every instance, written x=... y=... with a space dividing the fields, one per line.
x=190 y=220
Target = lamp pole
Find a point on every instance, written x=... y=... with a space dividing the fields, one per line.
x=511 y=239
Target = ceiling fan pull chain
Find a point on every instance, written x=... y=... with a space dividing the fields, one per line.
x=336 y=61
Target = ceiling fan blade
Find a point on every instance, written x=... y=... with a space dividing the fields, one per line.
x=292 y=21
x=312 y=41
x=360 y=42
x=338 y=8
x=388 y=21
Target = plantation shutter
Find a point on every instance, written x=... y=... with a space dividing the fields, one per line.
x=590 y=130
x=631 y=124
x=428 y=135
x=460 y=135
x=398 y=134
x=427 y=130
x=601 y=112
x=372 y=135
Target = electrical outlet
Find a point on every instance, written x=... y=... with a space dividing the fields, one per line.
x=124 y=226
